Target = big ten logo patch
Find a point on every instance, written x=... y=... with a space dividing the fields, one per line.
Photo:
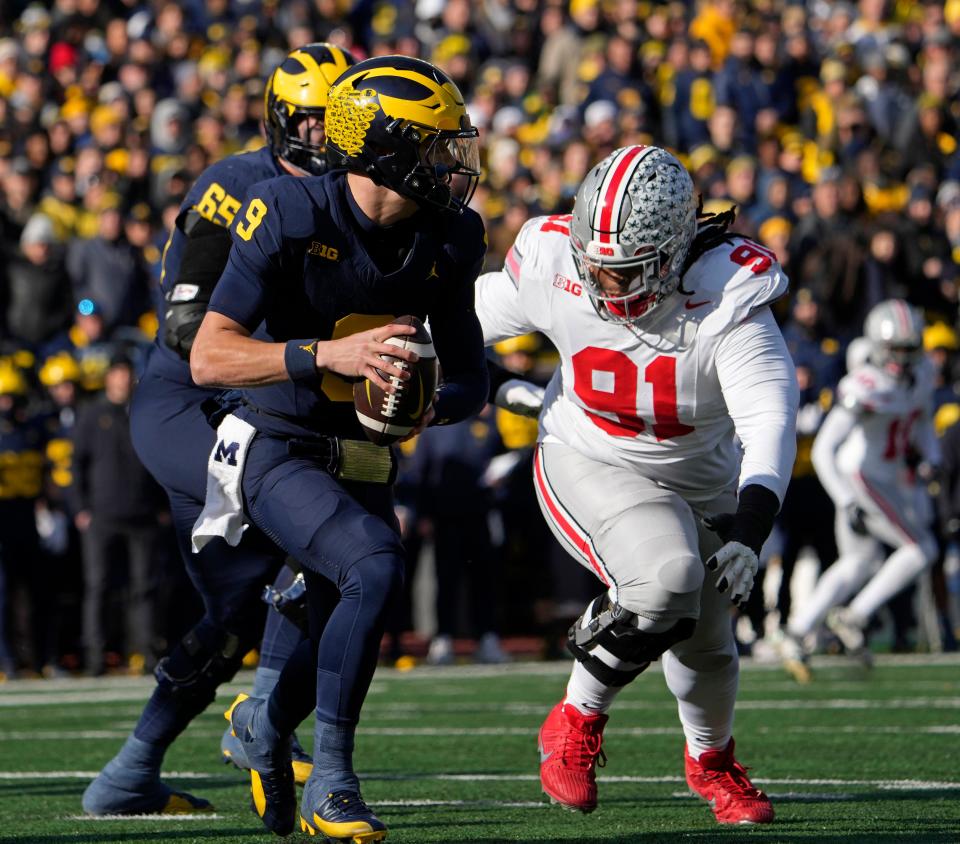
x=321 y=250
x=226 y=452
x=568 y=285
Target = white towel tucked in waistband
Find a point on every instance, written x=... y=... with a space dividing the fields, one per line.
x=223 y=511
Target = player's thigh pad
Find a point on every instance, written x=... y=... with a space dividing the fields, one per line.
x=638 y=538
x=310 y=515
x=711 y=647
x=892 y=514
x=171 y=434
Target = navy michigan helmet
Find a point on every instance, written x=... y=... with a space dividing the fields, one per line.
x=403 y=123
x=296 y=91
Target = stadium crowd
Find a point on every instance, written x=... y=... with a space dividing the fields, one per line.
x=831 y=126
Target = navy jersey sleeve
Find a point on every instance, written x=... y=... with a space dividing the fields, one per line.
x=456 y=330
x=245 y=288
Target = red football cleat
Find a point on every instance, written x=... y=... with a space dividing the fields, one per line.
x=723 y=782
x=569 y=754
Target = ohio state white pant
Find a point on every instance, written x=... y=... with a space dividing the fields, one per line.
x=647 y=545
x=895 y=515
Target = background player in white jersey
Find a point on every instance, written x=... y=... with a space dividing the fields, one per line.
x=668 y=350
x=865 y=455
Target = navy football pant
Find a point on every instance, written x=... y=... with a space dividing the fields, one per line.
x=346 y=535
x=173 y=440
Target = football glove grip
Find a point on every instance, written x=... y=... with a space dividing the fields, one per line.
x=736 y=567
x=520 y=397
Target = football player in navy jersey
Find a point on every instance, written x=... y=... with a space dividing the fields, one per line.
x=173 y=439
x=318 y=270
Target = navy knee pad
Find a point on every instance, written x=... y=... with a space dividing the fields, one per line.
x=204 y=658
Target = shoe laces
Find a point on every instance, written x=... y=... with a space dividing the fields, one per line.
x=733 y=778
x=583 y=750
x=348 y=801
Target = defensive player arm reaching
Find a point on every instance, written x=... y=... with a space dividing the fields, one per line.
x=760 y=389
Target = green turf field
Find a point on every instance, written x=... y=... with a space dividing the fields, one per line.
x=450 y=755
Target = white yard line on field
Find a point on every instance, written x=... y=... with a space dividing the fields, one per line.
x=457 y=731
x=452 y=672
x=102 y=818
x=883 y=785
x=55 y=697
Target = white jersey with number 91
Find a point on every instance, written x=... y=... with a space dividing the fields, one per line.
x=666 y=396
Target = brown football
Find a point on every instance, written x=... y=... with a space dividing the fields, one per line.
x=388 y=417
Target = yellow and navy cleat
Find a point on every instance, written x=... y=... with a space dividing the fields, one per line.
x=272 y=791
x=115 y=792
x=302 y=761
x=232 y=753
x=342 y=816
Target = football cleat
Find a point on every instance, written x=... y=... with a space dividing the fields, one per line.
x=849 y=629
x=341 y=816
x=796 y=661
x=489 y=651
x=440 y=651
x=723 y=782
x=114 y=792
x=232 y=753
x=570 y=751
x=302 y=761
x=273 y=794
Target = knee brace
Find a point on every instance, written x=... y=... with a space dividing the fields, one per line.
x=204 y=658
x=610 y=635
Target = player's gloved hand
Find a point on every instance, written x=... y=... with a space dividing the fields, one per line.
x=743 y=534
x=736 y=566
x=856 y=518
x=520 y=397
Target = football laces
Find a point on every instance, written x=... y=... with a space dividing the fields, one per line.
x=391 y=400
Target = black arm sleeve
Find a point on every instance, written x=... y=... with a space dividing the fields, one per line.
x=185 y=303
x=753 y=521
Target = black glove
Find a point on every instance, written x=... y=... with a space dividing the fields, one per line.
x=856 y=518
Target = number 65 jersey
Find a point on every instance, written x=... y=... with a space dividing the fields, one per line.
x=668 y=395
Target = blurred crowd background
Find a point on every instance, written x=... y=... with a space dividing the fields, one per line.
x=832 y=126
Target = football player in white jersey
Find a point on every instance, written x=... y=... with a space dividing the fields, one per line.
x=668 y=351
x=864 y=455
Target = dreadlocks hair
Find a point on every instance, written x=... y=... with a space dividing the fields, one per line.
x=712 y=230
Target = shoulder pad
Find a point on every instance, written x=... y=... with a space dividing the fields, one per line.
x=284 y=206
x=466 y=237
x=738 y=278
x=537 y=234
x=218 y=192
x=864 y=390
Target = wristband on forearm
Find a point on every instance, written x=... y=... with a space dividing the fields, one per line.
x=753 y=521
x=300 y=359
